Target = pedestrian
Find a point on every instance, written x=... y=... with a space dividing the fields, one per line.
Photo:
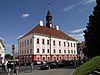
x=8 y=65
x=3 y=67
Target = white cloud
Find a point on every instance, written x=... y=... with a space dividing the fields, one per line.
x=90 y=1
x=68 y=8
x=71 y=6
x=78 y=37
x=78 y=34
x=82 y=2
x=25 y=15
x=78 y=30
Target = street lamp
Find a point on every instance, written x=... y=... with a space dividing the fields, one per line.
x=75 y=61
x=50 y=47
x=13 y=48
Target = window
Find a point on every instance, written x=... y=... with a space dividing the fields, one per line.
x=22 y=43
x=64 y=44
x=60 y=58
x=22 y=52
x=53 y=42
x=38 y=58
x=74 y=44
x=30 y=50
x=48 y=51
x=43 y=51
x=59 y=43
x=47 y=42
x=48 y=58
x=68 y=51
x=37 y=40
x=59 y=51
x=68 y=44
x=43 y=58
x=71 y=44
x=72 y=51
x=37 y=50
x=30 y=41
x=27 y=42
x=54 y=58
x=27 y=51
x=42 y=41
x=54 y=51
x=64 y=51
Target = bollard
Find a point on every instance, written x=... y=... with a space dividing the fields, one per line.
x=9 y=71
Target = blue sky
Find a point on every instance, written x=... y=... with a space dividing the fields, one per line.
x=17 y=17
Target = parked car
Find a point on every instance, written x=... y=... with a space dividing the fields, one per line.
x=60 y=64
x=52 y=64
x=44 y=66
x=28 y=64
x=47 y=65
x=71 y=62
x=35 y=63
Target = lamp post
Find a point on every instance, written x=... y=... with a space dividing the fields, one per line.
x=75 y=61
x=13 y=50
x=50 y=48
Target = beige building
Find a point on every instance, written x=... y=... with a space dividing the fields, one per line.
x=2 y=51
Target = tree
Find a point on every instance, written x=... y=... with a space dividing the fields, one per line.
x=7 y=56
x=92 y=33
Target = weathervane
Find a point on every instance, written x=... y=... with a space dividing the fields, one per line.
x=48 y=6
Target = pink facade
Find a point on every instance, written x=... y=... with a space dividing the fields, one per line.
x=33 y=58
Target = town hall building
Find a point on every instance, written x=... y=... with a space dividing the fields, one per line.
x=46 y=43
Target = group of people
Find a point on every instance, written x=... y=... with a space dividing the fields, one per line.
x=9 y=64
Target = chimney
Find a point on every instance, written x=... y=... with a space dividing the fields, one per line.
x=57 y=27
x=41 y=23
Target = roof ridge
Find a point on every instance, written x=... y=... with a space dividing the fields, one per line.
x=50 y=32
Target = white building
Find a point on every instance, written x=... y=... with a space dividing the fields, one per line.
x=2 y=51
x=44 y=43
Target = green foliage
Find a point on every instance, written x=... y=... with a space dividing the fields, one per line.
x=92 y=33
x=7 y=56
x=88 y=67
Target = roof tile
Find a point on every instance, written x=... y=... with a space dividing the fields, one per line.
x=50 y=32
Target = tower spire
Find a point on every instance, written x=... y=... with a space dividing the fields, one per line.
x=49 y=17
x=48 y=6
